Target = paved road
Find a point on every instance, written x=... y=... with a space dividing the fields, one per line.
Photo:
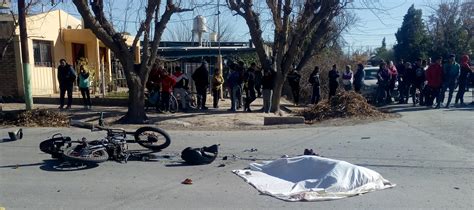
x=427 y=153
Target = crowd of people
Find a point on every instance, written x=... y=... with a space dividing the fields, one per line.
x=424 y=81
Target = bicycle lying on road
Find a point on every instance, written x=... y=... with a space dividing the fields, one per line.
x=113 y=146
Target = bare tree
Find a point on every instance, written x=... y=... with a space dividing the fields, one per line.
x=301 y=28
x=92 y=12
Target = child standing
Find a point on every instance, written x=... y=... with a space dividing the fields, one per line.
x=84 y=84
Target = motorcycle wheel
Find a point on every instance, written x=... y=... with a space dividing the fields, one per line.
x=152 y=138
x=97 y=156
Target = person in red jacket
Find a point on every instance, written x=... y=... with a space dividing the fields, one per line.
x=167 y=84
x=434 y=78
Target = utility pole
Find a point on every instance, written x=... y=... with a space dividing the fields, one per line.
x=25 y=57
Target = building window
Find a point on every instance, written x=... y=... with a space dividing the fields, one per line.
x=42 y=53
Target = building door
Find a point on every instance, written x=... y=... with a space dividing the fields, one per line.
x=78 y=52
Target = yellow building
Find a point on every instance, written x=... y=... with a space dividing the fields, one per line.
x=51 y=36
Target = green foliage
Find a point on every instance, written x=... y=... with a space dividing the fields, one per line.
x=382 y=53
x=412 y=38
x=449 y=29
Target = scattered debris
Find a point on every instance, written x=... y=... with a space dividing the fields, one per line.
x=310 y=152
x=35 y=118
x=224 y=158
x=251 y=150
x=365 y=137
x=284 y=156
x=16 y=135
x=187 y=181
x=343 y=105
x=221 y=165
x=456 y=188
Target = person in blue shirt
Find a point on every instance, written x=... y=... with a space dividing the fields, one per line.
x=450 y=76
x=84 y=84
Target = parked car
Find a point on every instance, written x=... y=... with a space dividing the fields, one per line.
x=369 y=87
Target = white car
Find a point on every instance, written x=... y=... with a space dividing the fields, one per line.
x=369 y=87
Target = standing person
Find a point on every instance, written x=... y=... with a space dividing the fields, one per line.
x=268 y=81
x=258 y=81
x=217 y=81
x=401 y=78
x=463 y=79
x=359 y=77
x=450 y=75
x=294 y=78
x=182 y=85
x=434 y=78
x=383 y=79
x=418 y=82
x=315 y=81
x=392 y=70
x=347 y=78
x=333 y=84
x=250 y=87
x=66 y=77
x=241 y=69
x=84 y=84
x=201 y=80
x=408 y=78
x=167 y=84
x=233 y=86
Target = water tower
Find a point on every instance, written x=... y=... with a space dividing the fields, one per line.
x=199 y=27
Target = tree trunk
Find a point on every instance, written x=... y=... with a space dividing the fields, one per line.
x=136 y=102
x=279 y=81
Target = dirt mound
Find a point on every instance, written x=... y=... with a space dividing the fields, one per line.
x=343 y=105
x=35 y=118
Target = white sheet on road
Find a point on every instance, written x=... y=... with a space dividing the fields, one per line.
x=312 y=178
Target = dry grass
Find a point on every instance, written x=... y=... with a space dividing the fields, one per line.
x=35 y=118
x=343 y=105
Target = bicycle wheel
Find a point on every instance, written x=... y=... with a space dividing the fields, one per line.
x=152 y=138
x=173 y=104
x=96 y=156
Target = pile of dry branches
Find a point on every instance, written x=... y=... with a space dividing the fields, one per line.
x=343 y=105
x=35 y=118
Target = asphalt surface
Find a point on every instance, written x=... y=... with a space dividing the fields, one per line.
x=427 y=153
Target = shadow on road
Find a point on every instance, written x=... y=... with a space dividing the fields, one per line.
x=63 y=166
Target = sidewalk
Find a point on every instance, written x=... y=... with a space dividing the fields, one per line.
x=211 y=119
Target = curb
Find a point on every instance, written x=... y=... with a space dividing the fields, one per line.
x=282 y=120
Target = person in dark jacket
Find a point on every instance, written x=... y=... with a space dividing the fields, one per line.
x=293 y=78
x=359 y=77
x=84 y=83
x=201 y=80
x=463 y=79
x=66 y=77
x=434 y=78
x=407 y=79
x=233 y=81
x=249 y=79
x=333 y=83
x=268 y=81
x=418 y=82
x=383 y=80
x=402 y=83
x=315 y=81
x=450 y=76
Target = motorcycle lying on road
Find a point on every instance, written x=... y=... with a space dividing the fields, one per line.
x=113 y=146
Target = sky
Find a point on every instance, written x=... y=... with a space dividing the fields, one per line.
x=376 y=19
